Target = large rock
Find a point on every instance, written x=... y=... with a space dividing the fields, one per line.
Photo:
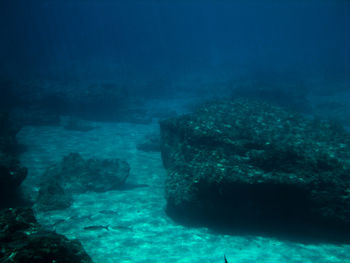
x=52 y=195
x=23 y=240
x=77 y=175
x=251 y=162
x=80 y=175
x=11 y=177
x=11 y=172
x=8 y=132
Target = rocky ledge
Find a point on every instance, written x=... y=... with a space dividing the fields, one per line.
x=247 y=162
x=23 y=240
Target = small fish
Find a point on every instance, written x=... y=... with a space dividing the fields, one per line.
x=225 y=259
x=108 y=212
x=120 y=227
x=94 y=228
x=79 y=217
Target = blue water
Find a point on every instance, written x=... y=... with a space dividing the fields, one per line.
x=121 y=66
x=168 y=38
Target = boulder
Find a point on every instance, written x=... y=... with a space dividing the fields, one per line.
x=11 y=172
x=52 y=196
x=11 y=175
x=23 y=240
x=8 y=132
x=250 y=162
x=77 y=175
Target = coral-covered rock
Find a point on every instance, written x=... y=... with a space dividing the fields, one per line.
x=77 y=175
x=23 y=240
x=245 y=161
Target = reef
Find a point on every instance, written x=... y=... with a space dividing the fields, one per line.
x=74 y=175
x=22 y=240
x=11 y=172
x=248 y=162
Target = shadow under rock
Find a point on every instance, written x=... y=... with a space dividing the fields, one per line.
x=294 y=230
x=14 y=199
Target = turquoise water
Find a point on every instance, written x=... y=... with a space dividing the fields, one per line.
x=138 y=228
x=90 y=60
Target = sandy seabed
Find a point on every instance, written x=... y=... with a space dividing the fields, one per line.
x=137 y=227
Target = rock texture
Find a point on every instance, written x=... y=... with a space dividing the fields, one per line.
x=23 y=240
x=11 y=173
x=247 y=161
x=77 y=175
x=52 y=195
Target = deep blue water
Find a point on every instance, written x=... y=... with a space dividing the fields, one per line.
x=295 y=39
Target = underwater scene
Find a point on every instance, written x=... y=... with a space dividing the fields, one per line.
x=185 y=131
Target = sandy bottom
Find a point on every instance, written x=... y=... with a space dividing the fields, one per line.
x=137 y=228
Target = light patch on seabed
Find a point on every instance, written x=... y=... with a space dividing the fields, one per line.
x=139 y=230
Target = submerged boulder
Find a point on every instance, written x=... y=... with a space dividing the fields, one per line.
x=52 y=196
x=22 y=240
x=77 y=175
x=247 y=161
x=80 y=175
x=11 y=172
x=11 y=177
x=8 y=132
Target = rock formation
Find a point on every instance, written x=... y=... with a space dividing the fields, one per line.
x=77 y=175
x=249 y=162
x=23 y=240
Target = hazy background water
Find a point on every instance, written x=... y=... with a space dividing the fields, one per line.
x=162 y=40
x=71 y=67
